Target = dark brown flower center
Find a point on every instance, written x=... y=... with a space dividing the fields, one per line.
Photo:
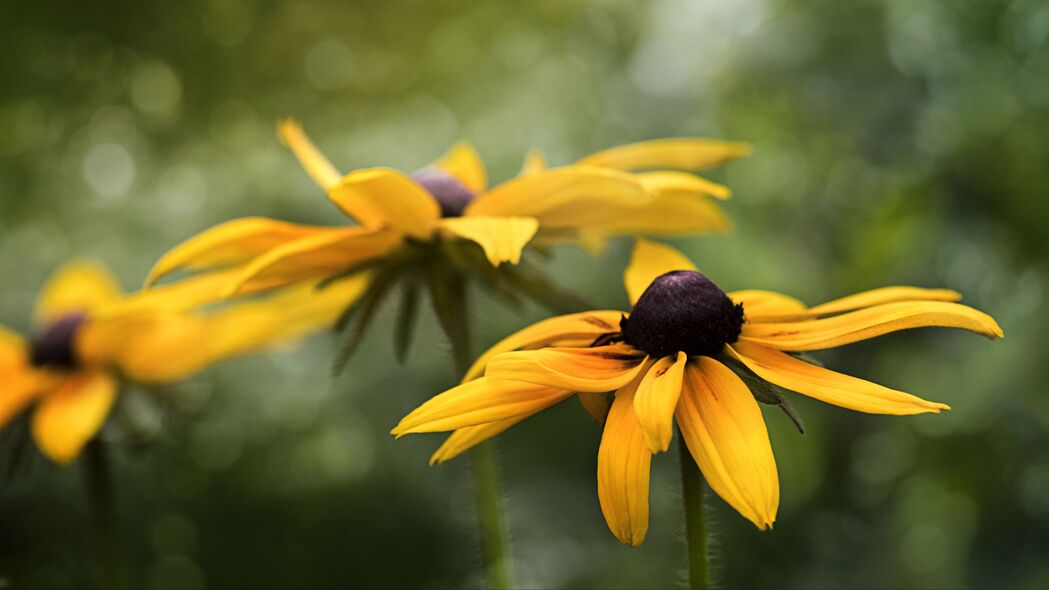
x=55 y=347
x=452 y=195
x=682 y=311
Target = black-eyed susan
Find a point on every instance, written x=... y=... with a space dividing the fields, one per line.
x=675 y=357
x=90 y=337
x=421 y=228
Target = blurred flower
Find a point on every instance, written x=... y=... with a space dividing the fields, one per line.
x=661 y=364
x=431 y=220
x=91 y=336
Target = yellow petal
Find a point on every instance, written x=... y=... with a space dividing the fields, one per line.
x=586 y=326
x=623 y=466
x=464 y=439
x=386 y=198
x=758 y=305
x=656 y=400
x=313 y=258
x=465 y=164
x=563 y=198
x=70 y=416
x=535 y=161
x=648 y=261
x=884 y=295
x=591 y=370
x=595 y=404
x=683 y=184
x=317 y=166
x=679 y=154
x=189 y=293
x=664 y=215
x=503 y=238
x=19 y=384
x=869 y=323
x=725 y=434
x=229 y=243
x=480 y=401
x=827 y=386
x=77 y=287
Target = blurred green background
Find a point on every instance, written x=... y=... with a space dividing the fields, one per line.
x=897 y=142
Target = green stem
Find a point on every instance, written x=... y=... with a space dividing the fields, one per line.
x=696 y=535
x=99 y=486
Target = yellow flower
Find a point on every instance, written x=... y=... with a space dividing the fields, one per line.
x=90 y=336
x=598 y=197
x=675 y=356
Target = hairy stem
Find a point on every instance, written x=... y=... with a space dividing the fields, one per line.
x=696 y=535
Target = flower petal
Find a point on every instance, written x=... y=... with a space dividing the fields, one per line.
x=314 y=257
x=477 y=402
x=884 y=295
x=623 y=468
x=828 y=386
x=71 y=415
x=586 y=325
x=648 y=261
x=386 y=198
x=683 y=184
x=869 y=323
x=679 y=154
x=464 y=439
x=465 y=164
x=656 y=400
x=230 y=243
x=758 y=305
x=535 y=161
x=77 y=287
x=19 y=384
x=503 y=238
x=317 y=166
x=664 y=214
x=595 y=404
x=725 y=434
x=592 y=370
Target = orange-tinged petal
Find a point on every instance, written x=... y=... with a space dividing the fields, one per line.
x=67 y=418
x=476 y=402
x=386 y=198
x=317 y=166
x=678 y=154
x=502 y=238
x=623 y=466
x=586 y=326
x=869 y=323
x=725 y=434
x=592 y=370
x=648 y=261
x=19 y=383
x=656 y=400
x=465 y=164
x=758 y=305
x=313 y=258
x=78 y=287
x=233 y=242
x=595 y=404
x=828 y=386
x=884 y=295
x=683 y=184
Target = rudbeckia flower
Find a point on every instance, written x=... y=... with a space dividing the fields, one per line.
x=90 y=338
x=429 y=220
x=677 y=357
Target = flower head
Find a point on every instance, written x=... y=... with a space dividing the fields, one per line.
x=681 y=356
x=90 y=337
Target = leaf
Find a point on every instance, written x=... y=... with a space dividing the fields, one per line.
x=406 y=318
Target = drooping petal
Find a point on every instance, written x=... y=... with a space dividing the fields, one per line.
x=683 y=184
x=386 y=198
x=595 y=404
x=465 y=164
x=313 y=258
x=665 y=215
x=648 y=261
x=656 y=400
x=884 y=295
x=317 y=166
x=725 y=434
x=189 y=293
x=464 y=439
x=758 y=305
x=19 y=384
x=233 y=242
x=77 y=287
x=869 y=323
x=563 y=198
x=623 y=467
x=586 y=325
x=71 y=415
x=593 y=370
x=828 y=386
x=476 y=402
x=678 y=154
x=503 y=238
x=535 y=161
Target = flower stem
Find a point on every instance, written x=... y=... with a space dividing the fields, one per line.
x=696 y=535
x=99 y=486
